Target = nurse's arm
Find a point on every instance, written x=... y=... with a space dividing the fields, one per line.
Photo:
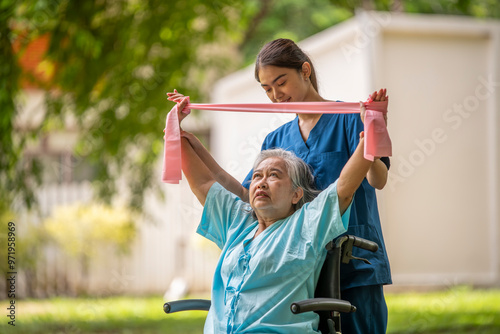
x=219 y=174
x=352 y=175
x=377 y=175
x=198 y=175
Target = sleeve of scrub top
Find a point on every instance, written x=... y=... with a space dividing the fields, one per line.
x=220 y=210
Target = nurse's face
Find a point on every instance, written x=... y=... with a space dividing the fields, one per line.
x=284 y=84
x=271 y=192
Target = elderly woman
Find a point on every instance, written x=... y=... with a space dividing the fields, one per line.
x=274 y=246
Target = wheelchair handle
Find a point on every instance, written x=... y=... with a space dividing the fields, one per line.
x=187 y=305
x=365 y=244
x=322 y=304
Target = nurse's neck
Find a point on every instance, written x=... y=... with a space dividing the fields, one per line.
x=308 y=121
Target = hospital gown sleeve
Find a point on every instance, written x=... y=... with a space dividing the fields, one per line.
x=221 y=209
x=322 y=220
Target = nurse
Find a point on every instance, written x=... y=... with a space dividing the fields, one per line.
x=325 y=142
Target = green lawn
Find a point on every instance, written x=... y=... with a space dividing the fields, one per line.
x=460 y=310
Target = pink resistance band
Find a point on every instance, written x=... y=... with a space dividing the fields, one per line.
x=377 y=141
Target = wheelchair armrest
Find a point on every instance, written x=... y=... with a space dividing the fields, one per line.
x=322 y=304
x=187 y=305
x=365 y=244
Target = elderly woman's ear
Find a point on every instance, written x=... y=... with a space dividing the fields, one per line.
x=297 y=195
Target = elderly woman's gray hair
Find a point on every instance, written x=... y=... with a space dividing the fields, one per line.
x=298 y=171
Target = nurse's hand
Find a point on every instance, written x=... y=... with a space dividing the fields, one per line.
x=362 y=111
x=381 y=95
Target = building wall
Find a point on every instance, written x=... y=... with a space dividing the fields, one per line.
x=440 y=208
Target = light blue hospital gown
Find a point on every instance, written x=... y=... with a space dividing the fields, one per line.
x=256 y=280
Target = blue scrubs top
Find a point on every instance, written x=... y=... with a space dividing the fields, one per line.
x=329 y=146
x=257 y=279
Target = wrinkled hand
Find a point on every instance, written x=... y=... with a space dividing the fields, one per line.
x=181 y=101
x=175 y=96
x=182 y=110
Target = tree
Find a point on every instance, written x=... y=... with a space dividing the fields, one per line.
x=113 y=62
x=15 y=178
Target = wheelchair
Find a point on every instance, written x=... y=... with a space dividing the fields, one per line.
x=327 y=302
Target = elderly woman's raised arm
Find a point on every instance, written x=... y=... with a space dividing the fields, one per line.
x=199 y=177
x=219 y=174
x=352 y=175
x=204 y=157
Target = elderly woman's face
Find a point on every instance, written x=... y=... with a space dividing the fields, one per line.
x=271 y=191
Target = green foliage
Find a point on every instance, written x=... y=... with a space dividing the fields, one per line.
x=83 y=229
x=21 y=239
x=478 y=8
x=17 y=177
x=294 y=19
x=5 y=217
x=114 y=61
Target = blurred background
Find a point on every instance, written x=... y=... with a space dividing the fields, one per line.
x=83 y=104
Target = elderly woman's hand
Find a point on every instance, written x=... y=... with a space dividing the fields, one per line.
x=181 y=101
x=182 y=110
x=175 y=96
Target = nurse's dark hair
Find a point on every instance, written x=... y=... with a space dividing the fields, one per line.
x=284 y=53
x=298 y=171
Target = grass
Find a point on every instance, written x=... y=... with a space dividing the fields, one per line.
x=117 y=315
x=459 y=310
